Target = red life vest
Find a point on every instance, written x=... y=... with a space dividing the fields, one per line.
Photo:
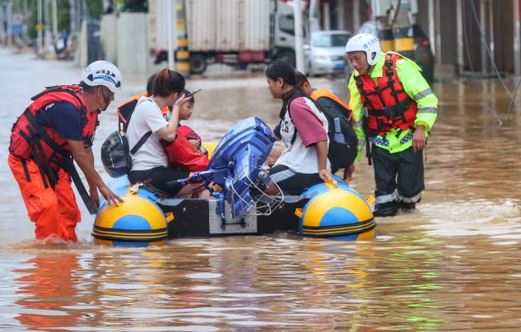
x=30 y=140
x=183 y=154
x=388 y=105
x=188 y=133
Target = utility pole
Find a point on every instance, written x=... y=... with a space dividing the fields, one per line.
x=181 y=40
x=517 y=39
x=47 y=30
x=54 y=18
x=171 y=20
x=314 y=20
x=39 y=27
x=72 y=16
x=460 y=41
x=9 y=20
x=26 y=18
x=483 y=22
x=299 y=38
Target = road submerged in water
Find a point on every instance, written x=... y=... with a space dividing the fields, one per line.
x=451 y=265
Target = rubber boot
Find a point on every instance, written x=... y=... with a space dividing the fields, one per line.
x=408 y=206
x=388 y=209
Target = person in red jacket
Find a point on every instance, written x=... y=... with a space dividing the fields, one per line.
x=56 y=129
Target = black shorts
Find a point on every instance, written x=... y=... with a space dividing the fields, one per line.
x=291 y=182
x=161 y=178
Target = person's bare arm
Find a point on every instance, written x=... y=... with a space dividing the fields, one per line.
x=169 y=132
x=85 y=160
x=323 y=172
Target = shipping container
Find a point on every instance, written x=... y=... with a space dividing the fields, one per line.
x=234 y=31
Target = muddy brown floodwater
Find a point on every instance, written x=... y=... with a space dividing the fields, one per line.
x=454 y=264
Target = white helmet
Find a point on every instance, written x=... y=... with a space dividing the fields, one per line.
x=367 y=43
x=102 y=73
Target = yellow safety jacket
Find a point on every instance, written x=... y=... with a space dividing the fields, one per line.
x=409 y=74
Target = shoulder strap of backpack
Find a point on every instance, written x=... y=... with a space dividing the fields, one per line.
x=141 y=141
x=347 y=112
x=289 y=113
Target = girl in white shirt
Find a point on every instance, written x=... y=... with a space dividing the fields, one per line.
x=302 y=129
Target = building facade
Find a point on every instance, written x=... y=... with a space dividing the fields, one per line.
x=466 y=35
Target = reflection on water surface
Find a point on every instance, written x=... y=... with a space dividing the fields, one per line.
x=452 y=265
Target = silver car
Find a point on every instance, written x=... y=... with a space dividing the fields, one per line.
x=326 y=52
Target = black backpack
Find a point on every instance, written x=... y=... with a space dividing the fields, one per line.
x=125 y=113
x=343 y=143
x=115 y=154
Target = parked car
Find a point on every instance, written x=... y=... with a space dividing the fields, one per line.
x=325 y=53
x=422 y=48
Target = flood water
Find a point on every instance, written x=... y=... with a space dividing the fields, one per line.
x=454 y=264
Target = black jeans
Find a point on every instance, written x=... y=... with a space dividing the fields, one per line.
x=290 y=182
x=161 y=178
x=401 y=172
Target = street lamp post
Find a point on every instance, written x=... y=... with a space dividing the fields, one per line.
x=39 y=27
x=171 y=25
x=299 y=38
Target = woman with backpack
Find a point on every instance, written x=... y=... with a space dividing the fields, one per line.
x=336 y=108
x=150 y=163
x=302 y=129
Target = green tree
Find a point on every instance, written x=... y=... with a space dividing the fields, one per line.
x=135 y=6
x=94 y=9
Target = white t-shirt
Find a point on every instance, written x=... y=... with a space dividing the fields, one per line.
x=147 y=117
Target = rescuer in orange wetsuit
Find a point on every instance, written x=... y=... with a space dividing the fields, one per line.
x=56 y=129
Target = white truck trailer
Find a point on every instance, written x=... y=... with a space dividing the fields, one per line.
x=239 y=32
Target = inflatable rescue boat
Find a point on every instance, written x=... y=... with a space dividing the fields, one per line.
x=239 y=206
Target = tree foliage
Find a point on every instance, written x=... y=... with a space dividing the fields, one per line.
x=135 y=6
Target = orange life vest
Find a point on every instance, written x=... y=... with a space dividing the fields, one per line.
x=317 y=94
x=388 y=105
x=126 y=109
x=44 y=145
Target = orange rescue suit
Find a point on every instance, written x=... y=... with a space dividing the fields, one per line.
x=38 y=160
